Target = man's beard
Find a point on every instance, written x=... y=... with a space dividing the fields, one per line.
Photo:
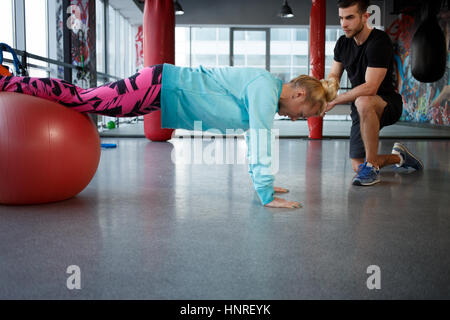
x=357 y=32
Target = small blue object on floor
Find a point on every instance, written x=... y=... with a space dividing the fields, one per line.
x=109 y=145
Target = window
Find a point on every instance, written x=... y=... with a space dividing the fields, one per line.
x=289 y=49
x=301 y=60
x=6 y=27
x=204 y=59
x=280 y=34
x=256 y=60
x=182 y=46
x=224 y=34
x=210 y=47
x=122 y=44
x=36 y=34
x=204 y=34
x=100 y=37
x=280 y=60
x=130 y=51
x=282 y=73
x=301 y=35
x=111 y=41
x=331 y=36
x=6 y=23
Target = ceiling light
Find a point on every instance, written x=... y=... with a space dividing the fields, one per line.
x=286 y=11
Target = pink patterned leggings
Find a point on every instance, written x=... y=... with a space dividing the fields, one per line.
x=134 y=96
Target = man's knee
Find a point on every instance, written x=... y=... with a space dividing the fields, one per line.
x=365 y=104
x=368 y=105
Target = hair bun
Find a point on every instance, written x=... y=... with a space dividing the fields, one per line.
x=331 y=88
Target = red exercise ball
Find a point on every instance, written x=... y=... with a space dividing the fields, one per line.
x=48 y=152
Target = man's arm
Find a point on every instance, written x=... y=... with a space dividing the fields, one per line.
x=374 y=78
x=337 y=69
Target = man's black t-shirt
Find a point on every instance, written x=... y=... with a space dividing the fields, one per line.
x=376 y=52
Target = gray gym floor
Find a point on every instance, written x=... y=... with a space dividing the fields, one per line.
x=299 y=129
x=149 y=228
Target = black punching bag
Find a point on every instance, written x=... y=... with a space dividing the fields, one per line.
x=428 y=48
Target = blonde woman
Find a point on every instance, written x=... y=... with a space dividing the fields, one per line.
x=222 y=98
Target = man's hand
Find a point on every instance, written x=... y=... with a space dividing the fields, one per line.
x=281 y=203
x=280 y=190
x=330 y=105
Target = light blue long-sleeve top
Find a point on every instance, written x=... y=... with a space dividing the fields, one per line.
x=226 y=98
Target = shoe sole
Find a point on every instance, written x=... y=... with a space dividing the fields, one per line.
x=358 y=183
x=405 y=149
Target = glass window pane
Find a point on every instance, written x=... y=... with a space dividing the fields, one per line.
x=36 y=30
x=239 y=35
x=125 y=45
x=35 y=72
x=111 y=41
x=224 y=34
x=331 y=35
x=224 y=59
x=118 y=44
x=282 y=73
x=280 y=60
x=212 y=53
x=301 y=34
x=289 y=53
x=122 y=43
x=100 y=35
x=239 y=60
x=130 y=44
x=6 y=23
x=255 y=60
x=329 y=60
x=300 y=60
x=131 y=53
x=256 y=35
x=299 y=71
x=253 y=51
x=182 y=46
x=280 y=34
x=204 y=34
x=207 y=60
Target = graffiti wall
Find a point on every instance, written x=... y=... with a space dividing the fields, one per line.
x=139 y=40
x=82 y=38
x=423 y=102
x=59 y=37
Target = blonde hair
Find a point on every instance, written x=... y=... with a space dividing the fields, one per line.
x=322 y=91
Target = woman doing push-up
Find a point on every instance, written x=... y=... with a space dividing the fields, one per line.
x=221 y=98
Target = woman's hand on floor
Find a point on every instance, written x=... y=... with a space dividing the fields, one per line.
x=281 y=203
x=280 y=190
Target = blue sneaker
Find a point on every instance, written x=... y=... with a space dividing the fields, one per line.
x=408 y=159
x=367 y=175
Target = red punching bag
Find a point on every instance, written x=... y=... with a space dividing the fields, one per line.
x=159 y=47
x=317 y=49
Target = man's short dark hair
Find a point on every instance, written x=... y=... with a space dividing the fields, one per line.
x=362 y=4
